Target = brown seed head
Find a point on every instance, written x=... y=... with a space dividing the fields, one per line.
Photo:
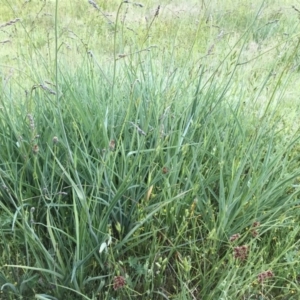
x=256 y=224
x=119 y=282
x=55 y=140
x=35 y=149
x=265 y=275
x=112 y=145
x=241 y=252
x=234 y=237
x=157 y=11
x=165 y=170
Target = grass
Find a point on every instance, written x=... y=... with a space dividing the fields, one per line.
x=149 y=152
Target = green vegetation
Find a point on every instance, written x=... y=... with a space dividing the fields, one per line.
x=149 y=152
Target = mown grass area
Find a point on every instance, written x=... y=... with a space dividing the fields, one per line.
x=149 y=150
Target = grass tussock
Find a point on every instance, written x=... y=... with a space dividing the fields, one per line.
x=149 y=150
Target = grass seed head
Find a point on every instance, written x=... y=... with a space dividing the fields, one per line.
x=55 y=140
x=157 y=11
x=265 y=275
x=165 y=170
x=254 y=232
x=35 y=149
x=241 y=252
x=9 y=23
x=256 y=224
x=234 y=237
x=112 y=145
x=31 y=121
x=119 y=282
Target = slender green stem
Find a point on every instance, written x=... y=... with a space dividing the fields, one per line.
x=114 y=74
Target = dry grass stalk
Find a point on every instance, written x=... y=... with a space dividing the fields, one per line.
x=138 y=4
x=11 y=22
x=140 y=131
x=295 y=8
x=211 y=49
x=95 y=5
x=157 y=11
x=45 y=88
